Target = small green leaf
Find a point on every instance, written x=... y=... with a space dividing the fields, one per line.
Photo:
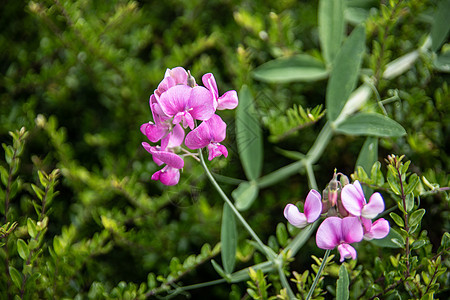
x=413 y=182
x=371 y=124
x=409 y=201
x=392 y=240
x=4 y=175
x=32 y=229
x=345 y=72
x=397 y=219
x=23 y=250
x=441 y=25
x=282 y=234
x=419 y=244
x=228 y=238
x=249 y=135
x=287 y=69
x=245 y=195
x=416 y=217
x=39 y=193
x=342 y=284
x=331 y=27
x=368 y=154
x=220 y=271
x=15 y=276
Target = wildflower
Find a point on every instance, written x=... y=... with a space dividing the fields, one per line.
x=229 y=100
x=353 y=200
x=170 y=174
x=336 y=232
x=376 y=230
x=209 y=134
x=313 y=209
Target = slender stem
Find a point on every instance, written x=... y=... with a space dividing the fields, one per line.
x=269 y=255
x=405 y=216
x=311 y=176
x=285 y=283
x=316 y=280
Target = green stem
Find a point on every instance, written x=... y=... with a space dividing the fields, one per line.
x=285 y=283
x=316 y=280
x=311 y=176
x=269 y=255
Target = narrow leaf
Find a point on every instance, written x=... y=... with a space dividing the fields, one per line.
x=342 y=284
x=249 y=135
x=331 y=27
x=228 y=238
x=368 y=154
x=245 y=195
x=287 y=69
x=15 y=276
x=219 y=270
x=371 y=124
x=441 y=25
x=344 y=74
x=397 y=219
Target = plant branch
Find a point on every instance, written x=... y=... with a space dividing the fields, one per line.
x=319 y=272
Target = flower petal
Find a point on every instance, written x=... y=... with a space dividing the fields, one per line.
x=210 y=83
x=215 y=150
x=380 y=229
x=313 y=206
x=346 y=251
x=294 y=216
x=201 y=103
x=178 y=74
x=175 y=100
x=374 y=207
x=229 y=100
x=352 y=230
x=199 y=137
x=171 y=159
x=352 y=200
x=167 y=176
x=329 y=233
x=218 y=128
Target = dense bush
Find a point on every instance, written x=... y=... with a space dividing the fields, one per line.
x=81 y=217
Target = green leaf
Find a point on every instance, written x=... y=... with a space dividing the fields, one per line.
x=344 y=74
x=4 y=175
x=371 y=124
x=441 y=25
x=368 y=154
x=220 y=271
x=228 y=238
x=416 y=217
x=15 y=276
x=282 y=235
x=331 y=27
x=409 y=201
x=23 y=250
x=39 y=193
x=392 y=240
x=397 y=219
x=249 y=135
x=287 y=69
x=32 y=229
x=412 y=183
x=342 y=284
x=245 y=195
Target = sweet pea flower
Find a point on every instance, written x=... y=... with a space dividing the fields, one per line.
x=167 y=175
x=336 y=232
x=353 y=200
x=229 y=100
x=209 y=134
x=186 y=104
x=170 y=174
x=313 y=209
x=376 y=230
x=172 y=77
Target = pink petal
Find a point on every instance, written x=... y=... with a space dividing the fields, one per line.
x=146 y=146
x=360 y=190
x=294 y=216
x=313 y=206
x=352 y=200
x=380 y=229
x=210 y=83
x=170 y=177
x=178 y=74
x=165 y=85
x=199 y=137
x=171 y=159
x=156 y=132
x=329 y=233
x=175 y=100
x=346 y=251
x=229 y=100
x=201 y=103
x=215 y=150
x=185 y=118
x=352 y=230
x=218 y=128
x=374 y=207
x=176 y=137
x=367 y=224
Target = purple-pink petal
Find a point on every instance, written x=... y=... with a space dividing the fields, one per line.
x=201 y=103
x=174 y=138
x=229 y=100
x=218 y=128
x=374 y=207
x=169 y=158
x=199 y=137
x=175 y=100
x=352 y=200
x=352 y=230
x=210 y=83
x=346 y=251
x=178 y=74
x=329 y=233
x=379 y=229
x=167 y=176
x=215 y=150
x=313 y=206
x=294 y=216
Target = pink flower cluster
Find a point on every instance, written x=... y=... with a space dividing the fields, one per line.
x=349 y=219
x=176 y=105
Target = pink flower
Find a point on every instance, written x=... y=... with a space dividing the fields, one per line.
x=313 y=209
x=340 y=233
x=170 y=174
x=186 y=104
x=376 y=230
x=172 y=77
x=352 y=197
x=167 y=175
x=229 y=100
x=209 y=134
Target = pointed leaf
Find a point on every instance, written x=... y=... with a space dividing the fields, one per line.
x=344 y=74
x=441 y=25
x=220 y=271
x=245 y=195
x=228 y=238
x=342 y=284
x=249 y=135
x=331 y=27
x=15 y=276
x=23 y=250
x=416 y=217
x=371 y=124
x=368 y=154
x=287 y=69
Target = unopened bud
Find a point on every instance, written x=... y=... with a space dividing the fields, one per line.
x=191 y=80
